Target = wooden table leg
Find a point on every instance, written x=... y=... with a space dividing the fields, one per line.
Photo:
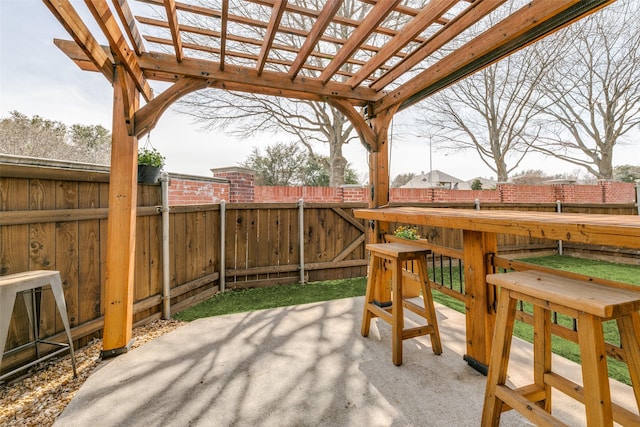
x=480 y=315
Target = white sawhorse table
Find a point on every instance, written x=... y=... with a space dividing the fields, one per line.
x=10 y=286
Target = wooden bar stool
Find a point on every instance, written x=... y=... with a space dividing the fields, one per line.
x=590 y=304
x=396 y=253
x=13 y=284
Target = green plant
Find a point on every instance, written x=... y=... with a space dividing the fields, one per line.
x=150 y=157
x=406 y=232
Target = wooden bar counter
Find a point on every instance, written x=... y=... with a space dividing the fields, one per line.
x=480 y=230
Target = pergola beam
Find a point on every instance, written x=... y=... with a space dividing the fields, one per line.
x=130 y=27
x=358 y=37
x=242 y=55
x=303 y=11
x=107 y=22
x=324 y=19
x=274 y=23
x=426 y=17
x=224 y=20
x=234 y=74
x=71 y=21
x=467 y=18
x=513 y=33
x=172 y=19
x=217 y=34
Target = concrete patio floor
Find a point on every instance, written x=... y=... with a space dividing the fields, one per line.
x=303 y=365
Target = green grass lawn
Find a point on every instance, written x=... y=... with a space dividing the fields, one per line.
x=279 y=296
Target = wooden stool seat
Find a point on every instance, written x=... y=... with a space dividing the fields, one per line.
x=13 y=284
x=396 y=254
x=590 y=304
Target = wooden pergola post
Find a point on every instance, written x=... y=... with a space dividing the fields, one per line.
x=379 y=193
x=121 y=241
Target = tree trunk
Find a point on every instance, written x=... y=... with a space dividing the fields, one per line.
x=337 y=164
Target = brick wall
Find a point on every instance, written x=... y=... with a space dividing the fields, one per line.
x=603 y=192
x=236 y=185
x=241 y=183
x=186 y=190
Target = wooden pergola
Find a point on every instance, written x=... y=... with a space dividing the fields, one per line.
x=394 y=55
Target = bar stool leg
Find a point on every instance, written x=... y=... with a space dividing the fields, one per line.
x=429 y=308
x=499 y=361
x=597 y=395
x=58 y=294
x=542 y=352
x=397 y=325
x=369 y=295
x=629 y=327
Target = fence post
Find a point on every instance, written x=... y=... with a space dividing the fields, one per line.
x=559 y=210
x=166 y=279
x=301 y=236
x=223 y=244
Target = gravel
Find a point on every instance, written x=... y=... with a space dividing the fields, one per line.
x=39 y=397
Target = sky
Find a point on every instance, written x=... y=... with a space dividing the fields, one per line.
x=36 y=78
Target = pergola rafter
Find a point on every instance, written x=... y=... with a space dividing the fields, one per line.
x=387 y=57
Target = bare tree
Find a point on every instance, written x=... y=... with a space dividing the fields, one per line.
x=308 y=122
x=593 y=93
x=39 y=137
x=490 y=112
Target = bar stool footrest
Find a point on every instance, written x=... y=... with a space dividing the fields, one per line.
x=526 y=408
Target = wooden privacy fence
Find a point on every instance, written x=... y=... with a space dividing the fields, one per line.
x=56 y=219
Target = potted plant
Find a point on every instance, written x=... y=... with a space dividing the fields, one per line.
x=150 y=163
x=406 y=232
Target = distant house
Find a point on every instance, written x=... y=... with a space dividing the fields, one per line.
x=487 y=183
x=434 y=178
x=439 y=179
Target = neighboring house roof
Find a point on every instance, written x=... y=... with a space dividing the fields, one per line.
x=434 y=178
x=439 y=179
x=487 y=183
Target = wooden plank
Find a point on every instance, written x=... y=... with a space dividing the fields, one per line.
x=251 y=81
x=179 y=253
x=367 y=26
x=127 y=18
x=501 y=36
x=71 y=21
x=425 y=17
x=453 y=28
x=109 y=26
x=272 y=29
x=88 y=255
x=172 y=18
x=155 y=255
x=224 y=21
x=330 y=8
x=141 y=270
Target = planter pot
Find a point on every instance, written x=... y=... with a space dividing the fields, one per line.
x=148 y=174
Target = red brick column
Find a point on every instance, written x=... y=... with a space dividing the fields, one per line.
x=241 y=183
